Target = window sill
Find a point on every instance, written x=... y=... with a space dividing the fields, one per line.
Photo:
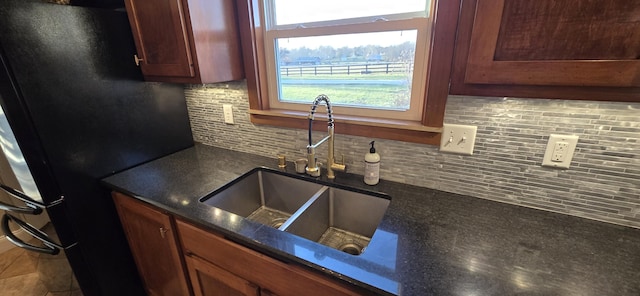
x=399 y=130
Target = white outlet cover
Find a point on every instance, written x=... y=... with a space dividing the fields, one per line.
x=458 y=139
x=565 y=162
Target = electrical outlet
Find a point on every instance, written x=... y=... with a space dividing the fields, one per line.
x=227 y=109
x=559 y=151
x=458 y=138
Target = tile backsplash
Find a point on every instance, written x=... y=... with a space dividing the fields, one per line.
x=603 y=182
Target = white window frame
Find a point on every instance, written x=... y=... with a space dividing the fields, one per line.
x=380 y=23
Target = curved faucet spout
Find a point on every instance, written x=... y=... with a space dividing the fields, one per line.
x=312 y=167
x=315 y=104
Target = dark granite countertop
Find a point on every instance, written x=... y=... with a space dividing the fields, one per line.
x=428 y=243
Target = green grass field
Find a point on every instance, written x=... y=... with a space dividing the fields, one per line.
x=370 y=95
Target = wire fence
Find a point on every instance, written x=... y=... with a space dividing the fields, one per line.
x=346 y=69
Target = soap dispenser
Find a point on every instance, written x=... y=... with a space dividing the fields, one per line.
x=372 y=166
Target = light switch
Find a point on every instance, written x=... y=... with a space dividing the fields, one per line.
x=227 y=109
x=458 y=138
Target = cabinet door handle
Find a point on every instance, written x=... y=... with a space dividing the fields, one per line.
x=163 y=231
x=137 y=59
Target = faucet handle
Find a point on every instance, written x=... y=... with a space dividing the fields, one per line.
x=282 y=161
x=342 y=167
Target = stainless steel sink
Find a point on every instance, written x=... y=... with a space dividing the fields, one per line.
x=263 y=196
x=340 y=218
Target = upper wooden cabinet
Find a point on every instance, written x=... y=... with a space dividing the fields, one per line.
x=186 y=41
x=573 y=49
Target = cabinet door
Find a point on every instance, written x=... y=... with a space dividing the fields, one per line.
x=154 y=247
x=209 y=280
x=160 y=31
x=549 y=48
x=271 y=275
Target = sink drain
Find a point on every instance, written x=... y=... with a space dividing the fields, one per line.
x=276 y=223
x=351 y=248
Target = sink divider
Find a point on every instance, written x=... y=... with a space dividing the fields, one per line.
x=331 y=208
x=261 y=186
x=304 y=207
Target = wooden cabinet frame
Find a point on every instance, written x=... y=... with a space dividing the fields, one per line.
x=195 y=41
x=482 y=68
x=170 y=254
x=476 y=72
x=154 y=245
x=200 y=270
x=271 y=275
x=185 y=65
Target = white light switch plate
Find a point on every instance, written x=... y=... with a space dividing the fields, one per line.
x=458 y=138
x=559 y=151
x=227 y=109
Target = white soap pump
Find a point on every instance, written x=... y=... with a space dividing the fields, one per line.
x=372 y=166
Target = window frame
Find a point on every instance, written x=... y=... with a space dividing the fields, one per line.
x=422 y=26
x=427 y=130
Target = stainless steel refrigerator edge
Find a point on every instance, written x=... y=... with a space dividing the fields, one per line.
x=80 y=111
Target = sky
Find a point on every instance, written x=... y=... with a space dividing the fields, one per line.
x=350 y=40
x=288 y=12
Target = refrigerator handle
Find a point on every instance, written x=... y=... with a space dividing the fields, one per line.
x=23 y=197
x=23 y=210
x=49 y=246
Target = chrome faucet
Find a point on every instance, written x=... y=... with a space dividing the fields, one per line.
x=312 y=165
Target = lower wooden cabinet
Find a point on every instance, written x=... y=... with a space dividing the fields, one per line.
x=209 y=279
x=177 y=258
x=272 y=276
x=153 y=243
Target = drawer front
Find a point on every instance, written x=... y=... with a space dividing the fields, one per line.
x=280 y=278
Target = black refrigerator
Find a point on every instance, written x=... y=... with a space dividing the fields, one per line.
x=80 y=111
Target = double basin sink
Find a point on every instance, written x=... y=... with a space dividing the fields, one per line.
x=341 y=218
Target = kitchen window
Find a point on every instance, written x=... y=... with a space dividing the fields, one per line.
x=375 y=60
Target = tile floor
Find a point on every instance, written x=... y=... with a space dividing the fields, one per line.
x=19 y=276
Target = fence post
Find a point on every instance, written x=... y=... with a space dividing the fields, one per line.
x=300 y=71
x=348 y=69
x=387 y=68
x=315 y=71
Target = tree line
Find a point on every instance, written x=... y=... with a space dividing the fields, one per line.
x=330 y=55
